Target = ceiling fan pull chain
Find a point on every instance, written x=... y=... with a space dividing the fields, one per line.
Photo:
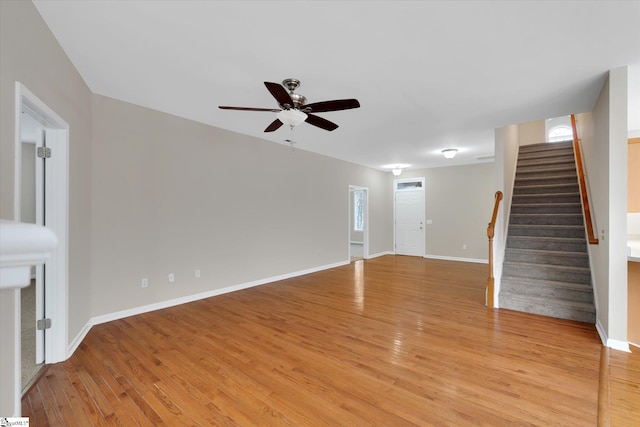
x=292 y=140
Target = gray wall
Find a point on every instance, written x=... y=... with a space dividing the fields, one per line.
x=603 y=134
x=30 y=54
x=459 y=201
x=532 y=133
x=172 y=196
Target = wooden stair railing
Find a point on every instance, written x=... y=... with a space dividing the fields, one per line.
x=490 y=233
x=591 y=235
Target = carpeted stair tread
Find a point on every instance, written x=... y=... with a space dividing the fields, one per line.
x=532 y=282
x=546 y=198
x=545 y=268
x=563 y=309
x=546 y=146
x=546 y=257
x=553 y=188
x=536 y=179
x=548 y=266
x=547 y=230
x=547 y=219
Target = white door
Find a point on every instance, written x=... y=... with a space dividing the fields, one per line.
x=40 y=170
x=409 y=221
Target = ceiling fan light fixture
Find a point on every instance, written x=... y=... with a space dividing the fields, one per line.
x=449 y=153
x=396 y=172
x=292 y=117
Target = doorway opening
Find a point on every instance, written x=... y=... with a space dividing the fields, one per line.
x=358 y=223
x=41 y=197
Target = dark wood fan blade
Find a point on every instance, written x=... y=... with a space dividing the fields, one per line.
x=335 y=105
x=321 y=123
x=273 y=126
x=225 y=107
x=280 y=94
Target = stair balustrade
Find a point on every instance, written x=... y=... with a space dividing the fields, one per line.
x=490 y=234
x=591 y=235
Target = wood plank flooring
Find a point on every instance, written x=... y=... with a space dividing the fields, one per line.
x=624 y=387
x=391 y=341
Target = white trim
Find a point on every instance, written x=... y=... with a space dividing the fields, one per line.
x=611 y=343
x=379 y=254
x=57 y=132
x=73 y=346
x=451 y=258
x=365 y=231
x=17 y=353
x=187 y=299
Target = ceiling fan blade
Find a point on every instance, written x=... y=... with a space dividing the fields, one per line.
x=280 y=94
x=225 y=107
x=335 y=105
x=273 y=126
x=321 y=123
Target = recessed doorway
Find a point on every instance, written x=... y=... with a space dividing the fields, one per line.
x=358 y=223
x=42 y=180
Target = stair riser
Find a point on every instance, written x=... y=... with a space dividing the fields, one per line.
x=545 y=171
x=515 y=287
x=546 y=146
x=547 y=189
x=545 y=245
x=544 y=231
x=555 y=154
x=546 y=219
x=572 y=208
x=573 y=260
x=559 y=179
x=546 y=161
x=534 y=272
x=547 y=310
x=522 y=199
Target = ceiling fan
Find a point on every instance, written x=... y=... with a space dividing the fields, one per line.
x=294 y=109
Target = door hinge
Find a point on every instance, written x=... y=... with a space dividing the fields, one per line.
x=43 y=324
x=44 y=152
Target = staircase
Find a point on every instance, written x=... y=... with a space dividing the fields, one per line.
x=546 y=265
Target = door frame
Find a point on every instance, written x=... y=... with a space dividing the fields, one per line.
x=423 y=190
x=56 y=218
x=365 y=231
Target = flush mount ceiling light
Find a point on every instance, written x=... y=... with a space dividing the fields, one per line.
x=449 y=153
x=292 y=117
x=396 y=169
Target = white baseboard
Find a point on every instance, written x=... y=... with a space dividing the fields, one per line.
x=186 y=299
x=73 y=346
x=611 y=343
x=379 y=254
x=449 y=258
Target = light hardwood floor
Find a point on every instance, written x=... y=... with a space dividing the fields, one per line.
x=391 y=341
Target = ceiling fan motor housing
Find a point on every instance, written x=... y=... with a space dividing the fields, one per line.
x=298 y=100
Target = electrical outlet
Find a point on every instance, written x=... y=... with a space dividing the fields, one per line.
x=197 y=274
x=464 y=247
x=144 y=283
x=172 y=278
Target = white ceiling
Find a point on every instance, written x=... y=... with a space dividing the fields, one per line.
x=429 y=74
